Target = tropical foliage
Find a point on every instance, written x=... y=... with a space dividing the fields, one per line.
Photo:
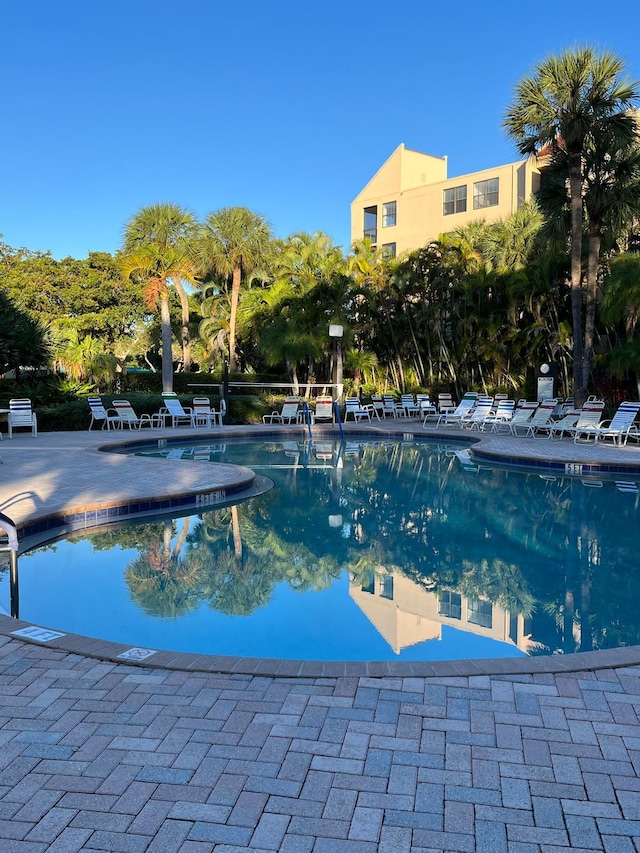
x=476 y=308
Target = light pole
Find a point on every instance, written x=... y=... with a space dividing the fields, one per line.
x=336 y=333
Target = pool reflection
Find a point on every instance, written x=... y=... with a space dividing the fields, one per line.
x=415 y=535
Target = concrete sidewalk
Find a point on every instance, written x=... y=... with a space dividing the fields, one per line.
x=100 y=755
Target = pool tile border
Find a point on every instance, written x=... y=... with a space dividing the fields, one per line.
x=290 y=668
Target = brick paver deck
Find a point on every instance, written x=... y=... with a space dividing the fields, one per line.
x=103 y=756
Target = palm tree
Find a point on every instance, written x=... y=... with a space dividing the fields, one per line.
x=565 y=102
x=235 y=241
x=611 y=205
x=158 y=248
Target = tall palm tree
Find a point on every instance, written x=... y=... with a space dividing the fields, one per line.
x=235 y=241
x=566 y=101
x=158 y=247
x=611 y=205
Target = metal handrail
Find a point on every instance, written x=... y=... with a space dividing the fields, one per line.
x=9 y=528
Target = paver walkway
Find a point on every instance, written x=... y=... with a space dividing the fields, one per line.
x=104 y=756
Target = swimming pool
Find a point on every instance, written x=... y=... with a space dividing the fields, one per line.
x=364 y=550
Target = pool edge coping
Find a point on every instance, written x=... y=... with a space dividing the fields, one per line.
x=106 y=650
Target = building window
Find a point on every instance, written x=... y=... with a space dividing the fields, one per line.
x=455 y=200
x=369 y=583
x=450 y=604
x=388 y=214
x=485 y=194
x=371 y=223
x=386 y=587
x=388 y=250
x=480 y=613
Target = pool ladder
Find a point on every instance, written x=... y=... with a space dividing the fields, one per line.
x=306 y=414
x=11 y=547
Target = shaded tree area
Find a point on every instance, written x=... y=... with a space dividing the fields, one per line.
x=23 y=340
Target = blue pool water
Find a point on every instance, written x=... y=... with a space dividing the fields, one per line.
x=369 y=550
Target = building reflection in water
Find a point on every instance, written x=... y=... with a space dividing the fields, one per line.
x=405 y=613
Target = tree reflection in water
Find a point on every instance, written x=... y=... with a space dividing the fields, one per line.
x=553 y=551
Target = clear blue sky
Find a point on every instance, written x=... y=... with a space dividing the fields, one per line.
x=282 y=106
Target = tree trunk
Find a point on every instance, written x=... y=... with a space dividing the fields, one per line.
x=186 y=338
x=167 y=357
x=182 y=538
x=237 y=535
x=235 y=296
x=575 y=186
x=591 y=291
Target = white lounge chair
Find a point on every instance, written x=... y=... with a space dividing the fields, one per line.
x=174 y=411
x=101 y=415
x=540 y=419
x=324 y=410
x=357 y=411
x=521 y=417
x=287 y=415
x=618 y=429
x=203 y=416
x=445 y=404
x=377 y=404
x=410 y=406
x=392 y=409
x=427 y=409
x=22 y=415
x=500 y=415
x=588 y=416
x=461 y=411
x=127 y=417
x=478 y=415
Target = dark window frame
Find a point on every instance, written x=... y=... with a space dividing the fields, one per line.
x=486 y=193
x=387 y=215
x=370 y=225
x=456 y=202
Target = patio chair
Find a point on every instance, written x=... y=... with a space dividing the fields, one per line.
x=204 y=416
x=377 y=404
x=539 y=420
x=618 y=429
x=478 y=415
x=324 y=410
x=462 y=410
x=287 y=415
x=521 y=416
x=22 y=415
x=445 y=404
x=410 y=406
x=174 y=411
x=391 y=408
x=127 y=417
x=500 y=415
x=427 y=408
x=589 y=415
x=357 y=411
x=99 y=414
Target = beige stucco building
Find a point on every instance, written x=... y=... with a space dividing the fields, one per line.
x=410 y=200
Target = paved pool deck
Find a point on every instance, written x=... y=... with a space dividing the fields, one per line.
x=198 y=754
